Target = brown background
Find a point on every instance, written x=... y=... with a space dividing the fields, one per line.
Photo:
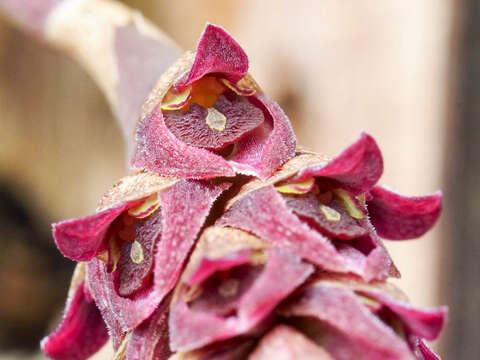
x=404 y=71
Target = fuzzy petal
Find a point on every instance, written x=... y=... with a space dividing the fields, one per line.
x=161 y=152
x=286 y=343
x=270 y=146
x=149 y=340
x=218 y=53
x=309 y=207
x=133 y=276
x=425 y=323
x=398 y=217
x=81 y=333
x=341 y=310
x=81 y=239
x=264 y=213
x=190 y=329
x=184 y=207
x=357 y=168
x=190 y=126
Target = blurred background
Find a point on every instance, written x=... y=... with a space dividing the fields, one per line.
x=407 y=72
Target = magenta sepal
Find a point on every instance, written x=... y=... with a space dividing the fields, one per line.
x=424 y=323
x=184 y=208
x=82 y=331
x=264 y=213
x=398 y=217
x=217 y=53
x=357 y=168
x=150 y=339
x=81 y=239
x=192 y=328
x=351 y=330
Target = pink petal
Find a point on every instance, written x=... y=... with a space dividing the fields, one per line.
x=398 y=217
x=191 y=128
x=190 y=329
x=357 y=168
x=426 y=352
x=133 y=276
x=361 y=330
x=272 y=144
x=286 y=343
x=81 y=239
x=184 y=208
x=264 y=213
x=81 y=333
x=159 y=151
x=217 y=52
x=208 y=267
x=425 y=323
x=308 y=208
x=149 y=340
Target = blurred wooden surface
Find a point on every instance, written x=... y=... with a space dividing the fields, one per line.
x=336 y=67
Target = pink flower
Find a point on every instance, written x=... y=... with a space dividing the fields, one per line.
x=135 y=247
x=227 y=300
x=207 y=117
x=332 y=212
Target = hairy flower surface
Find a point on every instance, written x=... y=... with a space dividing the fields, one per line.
x=320 y=210
x=188 y=259
x=207 y=117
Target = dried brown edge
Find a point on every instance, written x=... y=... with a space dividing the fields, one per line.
x=354 y=283
x=290 y=168
x=135 y=187
x=77 y=278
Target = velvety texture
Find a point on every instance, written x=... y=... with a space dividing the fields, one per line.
x=357 y=168
x=167 y=146
x=351 y=321
x=81 y=333
x=150 y=339
x=264 y=213
x=184 y=207
x=133 y=276
x=191 y=328
x=219 y=53
x=190 y=127
x=398 y=217
x=81 y=239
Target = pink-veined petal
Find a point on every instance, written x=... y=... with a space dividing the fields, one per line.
x=81 y=333
x=132 y=276
x=398 y=217
x=190 y=126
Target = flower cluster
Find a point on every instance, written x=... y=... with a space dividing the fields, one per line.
x=227 y=243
